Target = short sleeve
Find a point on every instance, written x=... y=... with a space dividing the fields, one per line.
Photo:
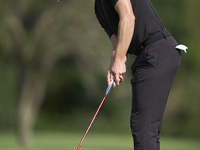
x=101 y=18
x=104 y=25
x=113 y=2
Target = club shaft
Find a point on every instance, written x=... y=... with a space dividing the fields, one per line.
x=106 y=93
x=91 y=122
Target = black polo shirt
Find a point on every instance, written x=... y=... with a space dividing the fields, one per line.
x=147 y=21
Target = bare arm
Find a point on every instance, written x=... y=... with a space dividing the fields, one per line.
x=121 y=42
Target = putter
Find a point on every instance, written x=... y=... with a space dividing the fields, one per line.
x=105 y=95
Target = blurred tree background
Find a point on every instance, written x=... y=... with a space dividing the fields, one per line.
x=53 y=65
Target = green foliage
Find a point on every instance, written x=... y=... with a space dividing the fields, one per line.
x=173 y=14
x=8 y=85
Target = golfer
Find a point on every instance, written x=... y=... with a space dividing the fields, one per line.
x=134 y=27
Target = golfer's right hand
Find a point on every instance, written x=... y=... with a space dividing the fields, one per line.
x=116 y=72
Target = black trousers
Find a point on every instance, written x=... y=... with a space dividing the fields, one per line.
x=154 y=70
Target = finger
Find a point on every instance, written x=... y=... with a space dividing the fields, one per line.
x=117 y=79
x=121 y=78
x=114 y=85
x=109 y=77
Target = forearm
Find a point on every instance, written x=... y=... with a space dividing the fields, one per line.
x=125 y=34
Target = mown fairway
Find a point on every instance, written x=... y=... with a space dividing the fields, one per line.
x=70 y=141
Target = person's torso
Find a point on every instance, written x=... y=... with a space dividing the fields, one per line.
x=147 y=21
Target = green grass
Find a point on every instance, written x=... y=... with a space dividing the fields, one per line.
x=70 y=141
